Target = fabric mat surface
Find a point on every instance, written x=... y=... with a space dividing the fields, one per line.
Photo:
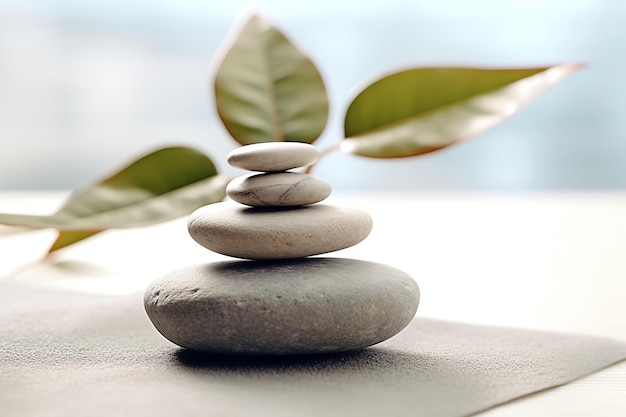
x=65 y=353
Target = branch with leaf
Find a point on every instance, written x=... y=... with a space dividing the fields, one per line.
x=266 y=90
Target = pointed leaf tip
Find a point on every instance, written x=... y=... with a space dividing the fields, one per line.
x=422 y=110
x=67 y=238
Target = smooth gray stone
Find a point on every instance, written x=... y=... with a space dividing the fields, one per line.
x=279 y=189
x=277 y=233
x=311 y=305
x=273 y=156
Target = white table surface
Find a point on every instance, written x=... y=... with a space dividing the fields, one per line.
x=550 y=261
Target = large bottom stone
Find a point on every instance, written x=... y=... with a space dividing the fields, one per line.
x=309 y=305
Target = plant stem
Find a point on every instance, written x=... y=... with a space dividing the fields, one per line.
x=324 y=153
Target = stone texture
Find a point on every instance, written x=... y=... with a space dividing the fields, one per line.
x=276 y=233
x=273 y=156
x=278 y=189
x=310 y=305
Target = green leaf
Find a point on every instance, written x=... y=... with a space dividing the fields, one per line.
x=160 y=186
x=425 y=109
x=267 y=90
x=68 y=238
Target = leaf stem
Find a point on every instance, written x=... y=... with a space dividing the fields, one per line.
x=324 y=153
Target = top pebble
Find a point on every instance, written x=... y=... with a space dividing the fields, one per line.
x=273 y=156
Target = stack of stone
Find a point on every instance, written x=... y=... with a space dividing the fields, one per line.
x=283 y=301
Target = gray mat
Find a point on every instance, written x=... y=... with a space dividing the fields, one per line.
x=63 y=353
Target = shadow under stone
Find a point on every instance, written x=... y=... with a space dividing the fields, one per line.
x=199 y=361
x=369 y=360
x=372 y=380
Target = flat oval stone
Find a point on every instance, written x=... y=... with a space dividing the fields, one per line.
x=310 y=305
x=273 y=156
x=278 y=189
x=277 y=233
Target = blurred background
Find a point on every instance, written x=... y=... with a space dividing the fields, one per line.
x=85 y=87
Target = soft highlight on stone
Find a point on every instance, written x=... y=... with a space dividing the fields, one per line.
x=311 y=305
x=280 y=189
x=273 y=156
x=273 y=233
